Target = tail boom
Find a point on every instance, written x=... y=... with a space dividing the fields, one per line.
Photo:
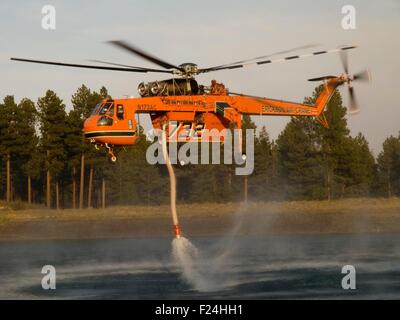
x=266 y=106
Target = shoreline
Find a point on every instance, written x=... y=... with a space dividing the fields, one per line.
x=347 y=216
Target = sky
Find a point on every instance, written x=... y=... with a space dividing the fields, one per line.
x=209 y=33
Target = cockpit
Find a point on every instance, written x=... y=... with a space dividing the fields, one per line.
x=106 y=111
x=110 y=124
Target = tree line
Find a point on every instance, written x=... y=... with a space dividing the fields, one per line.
x=44 y=159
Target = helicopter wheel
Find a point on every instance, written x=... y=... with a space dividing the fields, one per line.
x=113 y=158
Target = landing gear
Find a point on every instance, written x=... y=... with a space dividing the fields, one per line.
x=111 y=152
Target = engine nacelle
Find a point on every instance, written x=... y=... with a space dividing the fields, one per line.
x=170 y=87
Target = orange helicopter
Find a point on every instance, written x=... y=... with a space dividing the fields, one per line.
x=192 y=108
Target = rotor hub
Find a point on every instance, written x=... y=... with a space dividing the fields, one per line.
x=346 y=78
x=187 y=69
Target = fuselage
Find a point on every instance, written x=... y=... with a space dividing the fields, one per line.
x=113 y=122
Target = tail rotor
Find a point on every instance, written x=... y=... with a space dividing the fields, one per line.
x=346 y=78
x=362 y=76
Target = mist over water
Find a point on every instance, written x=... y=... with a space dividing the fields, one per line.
x=186 y=256
x=205 y=273
x=208 y=272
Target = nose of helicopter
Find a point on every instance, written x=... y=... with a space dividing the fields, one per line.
x=122 y=135
x=89 y=126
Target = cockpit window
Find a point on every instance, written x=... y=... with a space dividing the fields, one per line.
x=120 y=111
x=105 y=121
x=96 y=108
x=105 y=107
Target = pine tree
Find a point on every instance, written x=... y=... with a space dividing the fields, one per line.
x=53 y=128
x=74 y=148
x=8 y=136
x=389 y=168
x=357 y=167
x=17 y=141
x=26 y=147
x=32 y=169
x=299 y=165
x=262 y=181
x=83 y=102
x=333 y=142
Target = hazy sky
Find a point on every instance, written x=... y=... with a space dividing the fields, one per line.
x=209 y=33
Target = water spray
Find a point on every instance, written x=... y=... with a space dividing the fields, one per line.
x=183 y=251
x=175 y=221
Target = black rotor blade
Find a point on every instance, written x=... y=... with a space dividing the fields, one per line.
x=262 y=57
x=144 y=55
x=353 y=106
x=316 y=53
x=133 y=67
x=322 y=78
x=81 y=65
x=362 y=76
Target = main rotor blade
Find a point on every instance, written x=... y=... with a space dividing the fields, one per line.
x=263 y=57
x=316 y=53
x=133 y=67
x=144 y=55
x=82 y=65
x=322 y=78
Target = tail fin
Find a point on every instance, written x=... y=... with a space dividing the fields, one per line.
x=330 y=85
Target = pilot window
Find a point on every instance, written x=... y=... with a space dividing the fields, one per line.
x=96 y=109
x=107 y=114
x=105 y=121
x=104 y=108
x=120 y=112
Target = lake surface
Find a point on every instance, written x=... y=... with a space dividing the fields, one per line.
x=268 y=267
